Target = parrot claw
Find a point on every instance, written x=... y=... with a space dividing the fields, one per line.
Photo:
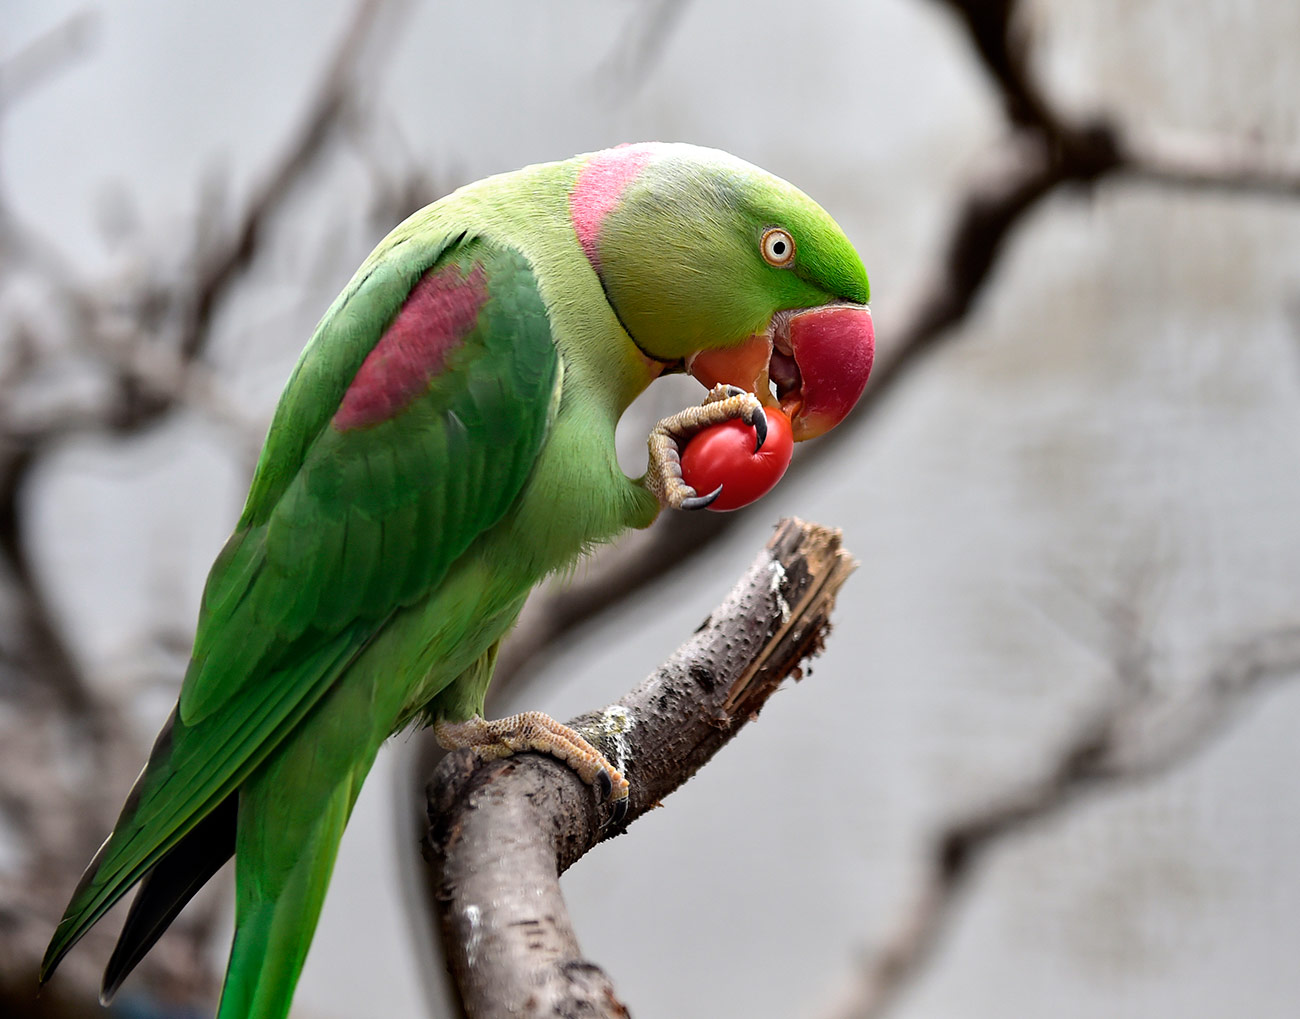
x=696 y=502
x=759 y=424
x=669 y=436
x=605 y=794
x=537 y=731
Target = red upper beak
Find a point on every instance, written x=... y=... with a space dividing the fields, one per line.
x=817 y=359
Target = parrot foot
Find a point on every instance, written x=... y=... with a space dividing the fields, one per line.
x=538 y=731
x=664 y=475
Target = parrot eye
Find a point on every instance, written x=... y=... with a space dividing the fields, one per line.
x=778 y=247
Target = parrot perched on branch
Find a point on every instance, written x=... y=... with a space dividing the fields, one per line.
x=446 y=441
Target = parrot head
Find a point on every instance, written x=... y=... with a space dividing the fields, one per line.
x=715 y=265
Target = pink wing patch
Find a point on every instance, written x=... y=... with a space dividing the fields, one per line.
x=599 y=186
x=440 y=310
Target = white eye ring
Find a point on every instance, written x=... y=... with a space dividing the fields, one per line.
x=777 y=247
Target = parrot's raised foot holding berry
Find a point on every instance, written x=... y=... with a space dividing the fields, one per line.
x=667 y=439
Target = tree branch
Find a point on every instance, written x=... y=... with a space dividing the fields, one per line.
x=501 y=834
x=1210 y=164
x=142 y=336
x=1137 y=734
x=640 y=49
x=222 y=265
x=45 y=56
x=147 y=387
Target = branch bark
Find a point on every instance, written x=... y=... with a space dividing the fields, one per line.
x=501 y=834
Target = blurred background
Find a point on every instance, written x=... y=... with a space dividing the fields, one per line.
x=1047 y=764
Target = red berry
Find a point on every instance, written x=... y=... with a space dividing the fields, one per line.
x=724 y=455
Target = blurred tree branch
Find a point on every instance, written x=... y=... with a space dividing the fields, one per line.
x=45 y=57
x=1138 y=733
x=501 y=834
x=641 y=48
x=144 y=336
x=220 y=263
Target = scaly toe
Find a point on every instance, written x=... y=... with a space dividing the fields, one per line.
x=722 y=391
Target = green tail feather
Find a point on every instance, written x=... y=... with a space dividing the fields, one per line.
x=276 y=910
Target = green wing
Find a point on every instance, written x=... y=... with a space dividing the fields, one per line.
x=408 y=428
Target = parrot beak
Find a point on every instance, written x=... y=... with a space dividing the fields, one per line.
x=816 y=359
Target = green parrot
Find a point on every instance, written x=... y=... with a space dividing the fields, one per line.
x=446 y=440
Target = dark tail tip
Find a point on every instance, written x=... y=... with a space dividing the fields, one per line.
x=168 y=886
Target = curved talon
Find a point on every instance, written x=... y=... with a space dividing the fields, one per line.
x=700 y=501
x=604 y=785
x=620 y=811
x=759 y=424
